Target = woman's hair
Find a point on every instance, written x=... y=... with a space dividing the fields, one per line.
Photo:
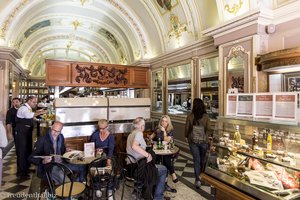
x=138 y=122
x=102 y=121
x=198 y=109
x=170 y=126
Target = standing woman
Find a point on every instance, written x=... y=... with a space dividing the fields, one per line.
x=165 y=132
x=3 y=143
x=104 y=140
x=197 y=133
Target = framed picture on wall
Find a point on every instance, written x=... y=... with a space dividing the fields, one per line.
x=236 y=80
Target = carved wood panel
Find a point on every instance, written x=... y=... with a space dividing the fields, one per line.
x=67 y=73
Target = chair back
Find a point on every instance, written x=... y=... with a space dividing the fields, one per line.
x=127 y=168
x=57 y=175
x=101 y=177
x=127 y=165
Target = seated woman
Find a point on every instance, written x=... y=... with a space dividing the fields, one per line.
x=165 y=132
x=104 y=140
x=136 y=146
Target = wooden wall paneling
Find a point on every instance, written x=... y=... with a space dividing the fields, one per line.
x=58 y=73
x=140 y=77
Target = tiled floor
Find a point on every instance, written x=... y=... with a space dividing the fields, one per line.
x=14 y=188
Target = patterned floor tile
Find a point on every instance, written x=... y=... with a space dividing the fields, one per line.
x=183 y=165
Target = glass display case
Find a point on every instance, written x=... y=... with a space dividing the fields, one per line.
x=264 y=162
x=209 y=69
x=179 y=89
x=157 y=77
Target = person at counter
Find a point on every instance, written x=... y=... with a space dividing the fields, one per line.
x=197 y=132
x=136 y=147
x=53 y=143
x=24 y=128
x=104 y=140
x=11 y=118
x=165 y=132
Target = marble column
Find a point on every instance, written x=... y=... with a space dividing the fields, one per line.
x=8 y=63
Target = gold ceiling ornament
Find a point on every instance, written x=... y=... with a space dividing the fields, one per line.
x=82 y=2
x=9 y=19
x=69 y=45
x=234 y=8
x=76 y=23
x=176 y=27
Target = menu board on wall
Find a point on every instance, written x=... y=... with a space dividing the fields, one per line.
x=285 y=106
x=231 y=104
x=263 y=105
x=244 y=105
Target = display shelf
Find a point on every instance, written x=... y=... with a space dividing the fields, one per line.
x=268 y=160
x=253 y=172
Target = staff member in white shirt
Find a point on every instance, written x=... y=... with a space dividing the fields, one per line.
x=3 y=143
x=24 y=127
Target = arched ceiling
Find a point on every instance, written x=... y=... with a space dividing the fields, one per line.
x=107 y=31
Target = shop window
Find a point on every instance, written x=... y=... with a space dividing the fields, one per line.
x=157 y=77
x=179 y=89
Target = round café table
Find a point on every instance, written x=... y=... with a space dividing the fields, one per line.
x=166 y=152
x=77 y=158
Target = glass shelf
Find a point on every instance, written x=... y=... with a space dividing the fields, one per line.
x=296 y=168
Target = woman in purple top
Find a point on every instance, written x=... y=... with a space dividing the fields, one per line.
x=165 y=132
x=104 y=139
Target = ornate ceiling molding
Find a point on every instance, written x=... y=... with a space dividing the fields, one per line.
x=66 y=37
x=10 y=17
x=133 y=23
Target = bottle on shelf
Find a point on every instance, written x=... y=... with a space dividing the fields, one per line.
x=254 y=140
x=269 y=141
x=237 y=135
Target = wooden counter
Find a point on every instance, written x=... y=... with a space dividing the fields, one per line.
x=224 y=191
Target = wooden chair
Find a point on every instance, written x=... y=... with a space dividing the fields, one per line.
x=61 y=182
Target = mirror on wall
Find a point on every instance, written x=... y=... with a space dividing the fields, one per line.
x=179 y=89
x=209 y=72
x=157 y=86
x=237 y=69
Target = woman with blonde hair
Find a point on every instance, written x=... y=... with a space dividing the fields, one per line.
x=165 y=132
x=104 y=139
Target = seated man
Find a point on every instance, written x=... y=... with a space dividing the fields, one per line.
x=136 y=146
x=53 y=144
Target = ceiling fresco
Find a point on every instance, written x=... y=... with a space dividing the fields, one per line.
x=108 y=31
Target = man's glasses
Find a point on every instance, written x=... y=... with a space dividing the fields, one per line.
x=56 y=130
x=103 y=128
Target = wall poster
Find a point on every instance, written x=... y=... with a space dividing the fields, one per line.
x=245 y=105
x=263 y=105
x=285 y=106
x=231 y=104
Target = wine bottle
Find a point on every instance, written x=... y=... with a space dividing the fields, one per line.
x=237 y=135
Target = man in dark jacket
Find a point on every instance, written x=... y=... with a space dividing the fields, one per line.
x=53 y=143
x=11 y=118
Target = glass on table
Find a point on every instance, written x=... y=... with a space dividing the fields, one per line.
x=99 y=152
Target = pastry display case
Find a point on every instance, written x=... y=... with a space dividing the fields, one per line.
x=260 y=159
